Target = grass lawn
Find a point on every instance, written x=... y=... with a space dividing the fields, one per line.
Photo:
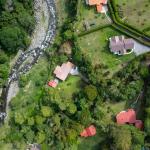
x=67 y=88
x=61 y=11
x=95 y=48
x=89 y=14
x=135 y=12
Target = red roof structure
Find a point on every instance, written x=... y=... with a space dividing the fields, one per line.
x=99 y=4
x=90 y=131
x=128 y=117
x=139 y=124
x=53 y=83
x=63 y=71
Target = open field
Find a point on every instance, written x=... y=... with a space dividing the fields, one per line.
x=95 y=48
x=88 y=14
x=135 y=13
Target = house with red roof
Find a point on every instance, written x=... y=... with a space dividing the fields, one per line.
x=100 y=4
x=128 y=117
x=90 y=131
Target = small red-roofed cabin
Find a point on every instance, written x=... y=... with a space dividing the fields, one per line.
x=139 y=124
x=90 y=131
x=126 y=117
x=53 y=83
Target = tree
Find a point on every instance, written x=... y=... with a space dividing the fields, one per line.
x=26 y=21
x=19 y=119
x=46 y=111
x=3 y=57
x=68 y=34
x=90 y=92
x=23 y=81
x=144 y=71
x=121 y=137
x=40 y=137
x=72 y=108
x=31 y=121
x=71 y=135
x=147 y=125
x=86 y=116
x=12 y=38
x=39 y=119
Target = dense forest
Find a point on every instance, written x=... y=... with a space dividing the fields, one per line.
x=16 y=25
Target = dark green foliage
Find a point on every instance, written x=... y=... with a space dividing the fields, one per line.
x=126 y=137
x=3 y=57
x=23 y=81
x=90 y=92
x=15 y=25
x=12 y=38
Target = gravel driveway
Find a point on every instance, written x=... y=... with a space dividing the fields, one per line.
x=140 y=48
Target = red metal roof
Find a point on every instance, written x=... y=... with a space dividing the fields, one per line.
x=96 y=2
x=90 y=131
x=139 y=124
x=52 y=83
x=129 y=117
x=126 y=117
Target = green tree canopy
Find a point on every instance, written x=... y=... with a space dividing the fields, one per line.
x=91 y=92
x=11 y=38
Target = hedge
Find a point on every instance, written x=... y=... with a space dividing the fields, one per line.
x=93 y=30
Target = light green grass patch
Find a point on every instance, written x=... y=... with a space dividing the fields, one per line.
x=135 y=12
x=68 y=87
x=95 y=47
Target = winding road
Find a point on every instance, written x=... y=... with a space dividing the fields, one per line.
x=22 y=65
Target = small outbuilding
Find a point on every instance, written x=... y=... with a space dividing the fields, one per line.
x=53 y=83
x=90 y=131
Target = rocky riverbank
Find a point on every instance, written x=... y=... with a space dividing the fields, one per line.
x=43 y=36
